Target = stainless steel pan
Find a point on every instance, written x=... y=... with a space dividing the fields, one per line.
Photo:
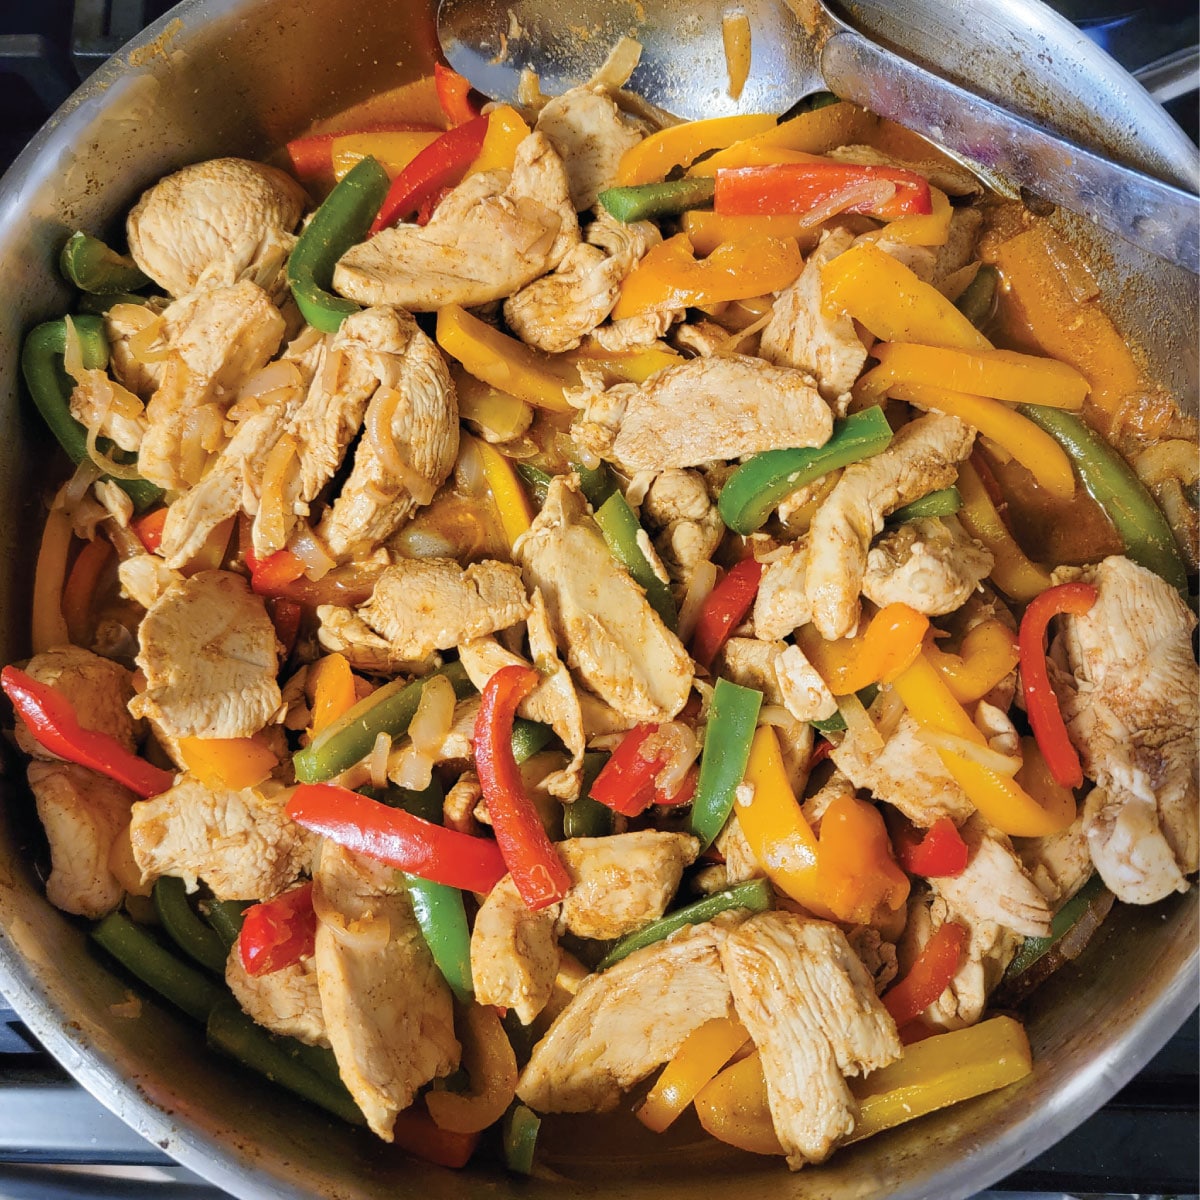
x=240 y=76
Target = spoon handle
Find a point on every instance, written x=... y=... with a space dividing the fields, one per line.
x=1154 y=215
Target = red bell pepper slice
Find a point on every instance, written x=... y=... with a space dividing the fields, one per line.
x=417 y=1132
x=929 y=976
x=941 y=851
x=801 y=187
x=1041 y=704
x=150 y=529
x=285 y=616
x=51 y=720
x=312 y=156
x=454 y=95
x=441 y=164
x=269 y=576
x=726 y=606
x=279 y=932
x=397 y=838
x=537 y=871
x=627 y=783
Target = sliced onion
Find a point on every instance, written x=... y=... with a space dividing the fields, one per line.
x=415 y=542
x=147 y=345
x=704 y=579
x=378 y=426
x=280 y=375
x=621 y=62
x=983 y=756
x=74 y=490
x=310 y=550
x=867 y=739
x=679 y=740
x=73 y=353
x=434 y=716
x=775 y=714
x=887 y=711
x=49 y=627
x=409 y=768
x=858 y=198
x=272 y=514
x=331 y=371
x=469 y=479
x=106 y=464
x=377 y=760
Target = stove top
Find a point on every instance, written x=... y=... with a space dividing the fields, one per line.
x=56 y=1141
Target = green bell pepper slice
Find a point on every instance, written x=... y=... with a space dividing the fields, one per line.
x=757 y=486
x=519 y=1137
x=621 y=528
x=1034 y=948
x=978 y=300
x=342 y=221
x=537 y=480
x=755 y=895
x=732 y=716
x=596 y=483
x=945 y=502
x=1114 y=485
x=648 y=201
x=585 y=817
x=94 y=267
x=50 y=387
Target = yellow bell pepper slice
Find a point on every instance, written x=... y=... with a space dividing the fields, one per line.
x=815 y=132
x=704 y=1052
x=331 y=689
x=1030 y=445
x=858 y=877
x=516 y=513
x=734 y=1108
x=775 y=826
x=920 y=229
x=876 y=654
x=893 y=303
x=393 y=151
x=503 y=361
x=940 y=1071
x=681 y=145
x=1034 y=776
x=1014 y=573
x=988 y=653
x=227 y=762
x=505 y=132
x=1000 y=374
x=708 y=230
x=669 y=275
x=491 y=1065
x=999 y=798
x=504 y=416
x=631 y=366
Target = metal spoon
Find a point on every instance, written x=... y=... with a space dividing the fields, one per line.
x=800 y=47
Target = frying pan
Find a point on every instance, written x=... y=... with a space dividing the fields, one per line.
x=241 y=76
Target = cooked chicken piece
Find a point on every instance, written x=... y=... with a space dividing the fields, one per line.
x=458 y=808
x=995 y=885
x=557 y=311
x=343 y=631
x=930 y=564
x=145 y=577
x=1133 y=715
x=836 y=787
x=996 y=725
x=388 y=1012
x=1059 y=864
x=514 y=952
x=923 y=457
x=496 y=232
x=287 y=1001
x=411 y=438
x=740 y=861
x=590 y=134
x=684 y=521
x=805 y=694
x=614 y=640
x=98 y=689
x=703 y=338
x=781 y=605
x=108 y=409
x=122 y=322
x=959 y=247
x=626 y=1021
x=236 y=473
x=640 y=332
x=214 y=223
x=804 y=335
x=920 y=260
x=810 y=1006
x=424 y=604
x=241 y=843
x=553 y=702
x=947 y=176
x=622 y=882
x=208 y=652
x=877 y=955
x=703 y=409
x=82 y=813
x=217 y=339
x=908 y=775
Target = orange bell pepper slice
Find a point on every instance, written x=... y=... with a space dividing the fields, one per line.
x=670 y=276
x=506 y=130
x=681 y=145
x=80 y=588
x=330 y=686
x=707 y=230
x=859 y=879
x=876 y=654
x=988 y=653
x=704 y=1052
x=734 y=1108
x=228 y=762
x=492 y=1067
x=393 y=150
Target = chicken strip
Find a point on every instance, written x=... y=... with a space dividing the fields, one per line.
x=684 y=522
x=624 y=1022
x=614 y=640
x=704 y=409
x=241 y=843
x=388 y=1012
x=496 y=232
x=286 y=1001
x=922 y=458
x=82 y=813
x=1059 y=864
x=208 y=651
x=781 y=604
x=214 y=223
x=810 y=1006
x=932 y=565
x=1133 y=713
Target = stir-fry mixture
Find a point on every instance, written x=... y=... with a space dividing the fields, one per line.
x=605 y=604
